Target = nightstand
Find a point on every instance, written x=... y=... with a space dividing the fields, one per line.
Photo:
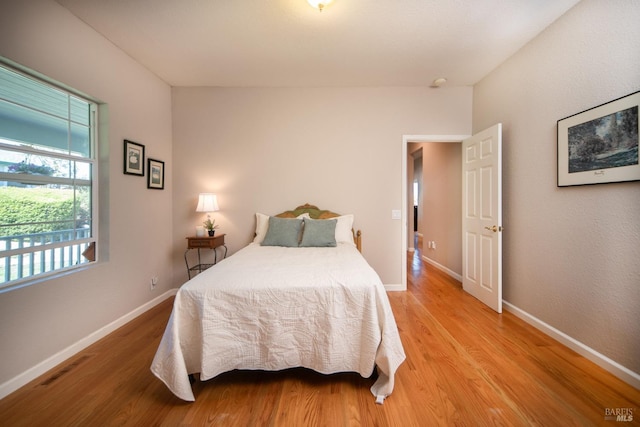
x=206 y=242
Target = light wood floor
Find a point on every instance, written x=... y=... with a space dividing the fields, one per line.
x=465 y=366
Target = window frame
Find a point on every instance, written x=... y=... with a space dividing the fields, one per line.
x=92 y=182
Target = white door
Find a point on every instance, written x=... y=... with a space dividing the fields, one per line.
x=482 y=216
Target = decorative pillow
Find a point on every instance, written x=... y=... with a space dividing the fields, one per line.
x=344 y=226
x=262 y=225
x=319 y=233
x=283 y=232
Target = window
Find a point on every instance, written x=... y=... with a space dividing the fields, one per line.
x=48 y=172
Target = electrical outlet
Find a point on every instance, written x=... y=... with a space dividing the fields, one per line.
x=433 y=245
x=154 y=282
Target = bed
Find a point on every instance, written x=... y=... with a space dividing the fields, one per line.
x=286 y=300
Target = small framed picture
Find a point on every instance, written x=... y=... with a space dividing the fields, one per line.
x=133 y=158
x=155 y=178
x=600 y=145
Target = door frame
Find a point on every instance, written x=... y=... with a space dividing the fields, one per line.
x=404 y=217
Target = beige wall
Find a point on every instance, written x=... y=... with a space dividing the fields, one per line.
x=268 y=150
x=570 y=254
x=38 y=321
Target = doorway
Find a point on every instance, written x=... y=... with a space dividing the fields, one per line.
x=430 y=246
x=414 y=176
x=481 y=194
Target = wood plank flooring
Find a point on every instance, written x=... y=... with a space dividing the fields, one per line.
x=466 y=366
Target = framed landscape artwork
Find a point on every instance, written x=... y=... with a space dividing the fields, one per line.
x=600 y=145
x=133 y=158
x=155 y=179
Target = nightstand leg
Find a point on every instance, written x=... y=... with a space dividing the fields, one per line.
x=186 y=261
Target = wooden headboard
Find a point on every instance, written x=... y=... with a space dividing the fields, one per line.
x=316 y=213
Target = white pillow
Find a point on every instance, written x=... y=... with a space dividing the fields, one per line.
x=344 y=233
x=262 y=226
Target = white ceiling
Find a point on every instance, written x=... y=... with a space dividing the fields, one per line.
x=288 y=43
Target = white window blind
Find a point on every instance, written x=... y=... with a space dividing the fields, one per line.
x=48 y=194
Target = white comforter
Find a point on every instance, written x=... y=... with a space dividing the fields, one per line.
x=273 y=308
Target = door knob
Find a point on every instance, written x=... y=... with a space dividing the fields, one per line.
x=495 y=228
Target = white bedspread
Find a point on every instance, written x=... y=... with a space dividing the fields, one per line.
x=273 y=308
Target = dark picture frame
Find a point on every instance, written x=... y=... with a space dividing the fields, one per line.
x=600 y=145
x=155 y=177
x=133 y=158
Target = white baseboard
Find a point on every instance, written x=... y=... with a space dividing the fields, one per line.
x=34 y=372
x=625 y=374
x=439 y=266
x=394 y=288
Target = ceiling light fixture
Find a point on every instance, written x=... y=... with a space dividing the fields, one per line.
x=319 y=4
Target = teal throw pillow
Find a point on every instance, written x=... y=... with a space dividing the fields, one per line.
x=283 y=232
x=319 y=233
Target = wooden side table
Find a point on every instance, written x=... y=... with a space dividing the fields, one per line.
x=206 y=242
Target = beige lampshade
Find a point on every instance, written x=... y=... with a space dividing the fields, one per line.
x=207 y=202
